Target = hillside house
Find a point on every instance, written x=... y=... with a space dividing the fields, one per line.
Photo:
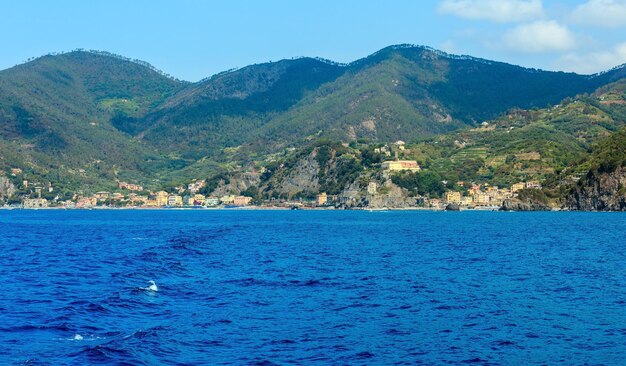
x=400 y=165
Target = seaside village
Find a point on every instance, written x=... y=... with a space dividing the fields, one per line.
x=128 y=196
x=466 y=195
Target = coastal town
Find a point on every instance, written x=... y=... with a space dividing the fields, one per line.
x=465 y=195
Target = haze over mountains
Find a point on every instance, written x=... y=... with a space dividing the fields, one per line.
x=87 y=118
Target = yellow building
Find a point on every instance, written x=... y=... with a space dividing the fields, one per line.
x=467 y=200
x=101 y=196
x=481 y=198
x=517 y=186
x=242 y=201
x=399 y=165
x=454 y=197
x=322 y=199
x=227 y=199
x=174 y=200
x=161 y=198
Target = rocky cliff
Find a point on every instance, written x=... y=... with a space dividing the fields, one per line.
x=528 y=200
x=7 y=189
x=323 y=167
x=236 y=184
x=518 y=205
x=302 y=177
x=388 y=195
x=599 y=191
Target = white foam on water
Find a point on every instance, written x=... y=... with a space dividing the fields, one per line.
x=79 y=337
x=152 y=288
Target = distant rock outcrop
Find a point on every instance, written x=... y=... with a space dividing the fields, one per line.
x=599 y=191
x=238 y=183
x=515 y=204
x=527 y=200
x=7 y=188
x=453 y=207
x=392 y=196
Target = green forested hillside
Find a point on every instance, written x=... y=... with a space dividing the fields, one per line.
x=603 y=187
x=227 y=109
x=399 y=92
x=554 y=146
x=610 y=154
x=57 y=117
x=84 y=119
x=523 y=144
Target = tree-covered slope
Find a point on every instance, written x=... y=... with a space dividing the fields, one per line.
x=227 y=109
x=603 y=188
x=90 y=117
x=56 y=114
x=550 y=146
x=523 y=144
x=400 y=92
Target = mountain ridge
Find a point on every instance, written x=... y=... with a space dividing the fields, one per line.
x=399 y=46
x=94 y=117
x=553 y=85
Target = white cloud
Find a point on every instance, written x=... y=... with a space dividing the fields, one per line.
x=540 y=37
x=501 y=11
x=593 y=62
x=602 y=13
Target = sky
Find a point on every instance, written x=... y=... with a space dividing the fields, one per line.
x=194 y=39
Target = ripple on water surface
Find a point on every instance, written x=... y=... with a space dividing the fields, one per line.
x=279 y=287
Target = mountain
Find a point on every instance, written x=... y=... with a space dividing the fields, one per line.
x=549 y=145
x=227 y=109
x=400 y=92
x=85 y=119
x=602 y=187
x=58 y=116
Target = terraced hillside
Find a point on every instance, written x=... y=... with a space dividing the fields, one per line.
x=83 y=120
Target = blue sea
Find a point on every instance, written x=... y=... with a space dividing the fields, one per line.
x=311 y=287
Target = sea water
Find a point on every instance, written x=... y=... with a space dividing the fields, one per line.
x=311 y=287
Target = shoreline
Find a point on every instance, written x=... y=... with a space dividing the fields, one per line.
x=279 y=208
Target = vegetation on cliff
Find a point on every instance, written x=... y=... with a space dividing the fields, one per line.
x=84 y=120
x=604 y=186
x=610 y=154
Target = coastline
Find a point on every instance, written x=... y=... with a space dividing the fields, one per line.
x=281 y=208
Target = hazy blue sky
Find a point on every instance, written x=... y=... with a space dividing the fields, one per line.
x=195 y=39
